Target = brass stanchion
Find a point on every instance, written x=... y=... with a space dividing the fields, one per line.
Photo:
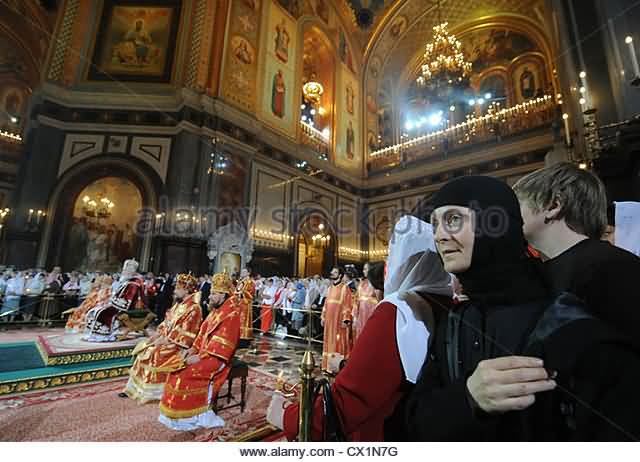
x=307 y=383
x=46 y=309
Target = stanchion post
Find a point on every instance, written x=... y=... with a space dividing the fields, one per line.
x=307 y=383
x=46 y=309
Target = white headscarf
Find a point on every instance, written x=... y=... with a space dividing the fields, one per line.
x=628 y=226
x=413 y=266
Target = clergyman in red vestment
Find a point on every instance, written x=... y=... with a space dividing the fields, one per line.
x=188 y=392
x=162 y=354
x=366 y=300
x=336 y=319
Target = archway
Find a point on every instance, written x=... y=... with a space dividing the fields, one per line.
x=318 y=65
x=95 y=176
x=102 y=234
x=315 y=246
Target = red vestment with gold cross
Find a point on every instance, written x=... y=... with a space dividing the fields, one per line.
x=337 y=316
x=244 y=294
x=186 y=393
x=366 y=300
x=154 y=362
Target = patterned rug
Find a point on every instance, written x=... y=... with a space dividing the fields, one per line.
x=94 y=412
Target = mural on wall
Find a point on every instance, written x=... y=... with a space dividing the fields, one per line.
x=230 y=263
x=100 y=238
x=528 y=78
x=240 y=63
x=136 y=42
x=253 y=5
x=13 y=105
x=279 y=70
x=297 y=8
x=350 y=98
x=278 y=92
x=490 y=47
x=348 y=130
x=398 y=27
x=282 y=42
x=243 y=50
x=345 y=51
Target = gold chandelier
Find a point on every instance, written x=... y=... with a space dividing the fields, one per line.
x=97 y=209
x=444 y=59
x=312 y=91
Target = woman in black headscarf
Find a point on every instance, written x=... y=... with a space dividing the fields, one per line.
x=483 y=375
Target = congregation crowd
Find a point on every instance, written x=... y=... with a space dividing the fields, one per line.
x=500 y=314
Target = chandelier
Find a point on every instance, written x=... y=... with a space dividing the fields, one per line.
x=444 y=61
x=312 y=90
x=100 y=208
x=321 y=239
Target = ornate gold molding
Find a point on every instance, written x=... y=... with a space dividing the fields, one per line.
x=88 y=357
x=196 y=40
x=43 y=383
x=62 y=43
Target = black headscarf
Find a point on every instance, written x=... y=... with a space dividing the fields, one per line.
x=501 y=271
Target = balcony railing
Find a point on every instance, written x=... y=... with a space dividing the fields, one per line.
x=10 y=136
x=493 y=126
x=317 y=140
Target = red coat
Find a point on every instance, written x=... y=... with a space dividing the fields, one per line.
x=367 y=390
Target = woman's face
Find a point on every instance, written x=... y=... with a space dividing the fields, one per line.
x=453 y=229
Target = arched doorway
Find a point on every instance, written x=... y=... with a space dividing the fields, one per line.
x=102 y=227
x=315 y=248
x=130 y=186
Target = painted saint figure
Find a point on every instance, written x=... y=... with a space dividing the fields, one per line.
x=350 y=141
x=242 y=52
x=277 y=95
x=282 y=42
x=527 y=84
x=141 y=40
x=350 y=98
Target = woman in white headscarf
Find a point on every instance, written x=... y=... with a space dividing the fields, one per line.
x=393 y=345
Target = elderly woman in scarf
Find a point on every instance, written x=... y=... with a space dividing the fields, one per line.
x=389 y=354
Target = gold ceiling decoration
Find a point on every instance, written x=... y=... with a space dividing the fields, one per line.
x=444 y=59
x=397 y=54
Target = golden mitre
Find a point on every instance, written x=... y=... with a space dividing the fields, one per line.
x=221 y=283
x=187 y=282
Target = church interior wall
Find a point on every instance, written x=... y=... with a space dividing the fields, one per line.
x=241 y=81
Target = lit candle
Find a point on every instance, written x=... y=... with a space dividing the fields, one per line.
x=30 y=216
x=39 y=217
x=634 y=58
x=567 y=134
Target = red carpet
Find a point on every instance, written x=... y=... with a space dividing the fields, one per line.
x=94 y=412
